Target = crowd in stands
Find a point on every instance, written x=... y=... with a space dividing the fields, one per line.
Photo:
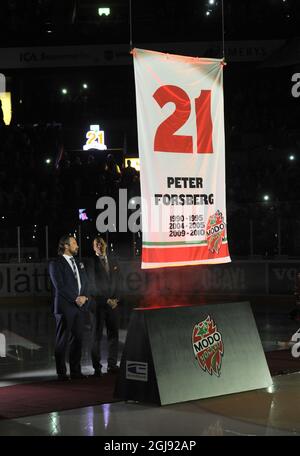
x=42 y=184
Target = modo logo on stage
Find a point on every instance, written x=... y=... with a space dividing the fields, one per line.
x=208 y=346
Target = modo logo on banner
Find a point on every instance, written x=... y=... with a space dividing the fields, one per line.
x=180 y=118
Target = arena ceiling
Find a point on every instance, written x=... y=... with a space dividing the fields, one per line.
x=54 y=22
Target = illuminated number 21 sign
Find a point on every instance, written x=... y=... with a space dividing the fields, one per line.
x=165 y=139
x=95 y=139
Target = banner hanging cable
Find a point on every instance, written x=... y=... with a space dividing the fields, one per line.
x=223 y=31
x=130 y=25
x=223 y=28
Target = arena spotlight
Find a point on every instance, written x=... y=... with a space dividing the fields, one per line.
x=49 y=27
x=266 y=198
x=132 y=204
x=85 y=86
x=104 y=11
x=292 y=157
x=207 y=13
x=5 y=98
x=211 y=2
x=64 y=91
x=48 y=161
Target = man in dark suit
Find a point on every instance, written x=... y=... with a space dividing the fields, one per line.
x=103 y=275
x=70 y=284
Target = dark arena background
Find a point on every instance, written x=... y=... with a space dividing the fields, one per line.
x=67 y=71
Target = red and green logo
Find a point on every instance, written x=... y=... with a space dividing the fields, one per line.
x=215 y=231
x=208 y=346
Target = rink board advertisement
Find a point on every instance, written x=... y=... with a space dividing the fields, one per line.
x=180 y=118
x=242 y=277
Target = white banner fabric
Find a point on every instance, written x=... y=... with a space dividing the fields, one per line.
x=180 y=117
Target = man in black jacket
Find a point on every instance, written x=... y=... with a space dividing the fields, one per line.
x=103 y=275
x=70 y=284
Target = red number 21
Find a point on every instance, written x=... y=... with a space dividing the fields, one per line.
x=165 y=139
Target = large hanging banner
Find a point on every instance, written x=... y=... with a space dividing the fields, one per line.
x=180 y=117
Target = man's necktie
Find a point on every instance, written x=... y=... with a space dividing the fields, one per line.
x=74 y=269
x=105 y=264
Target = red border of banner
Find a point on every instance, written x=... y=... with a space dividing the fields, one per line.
x=179 y=254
